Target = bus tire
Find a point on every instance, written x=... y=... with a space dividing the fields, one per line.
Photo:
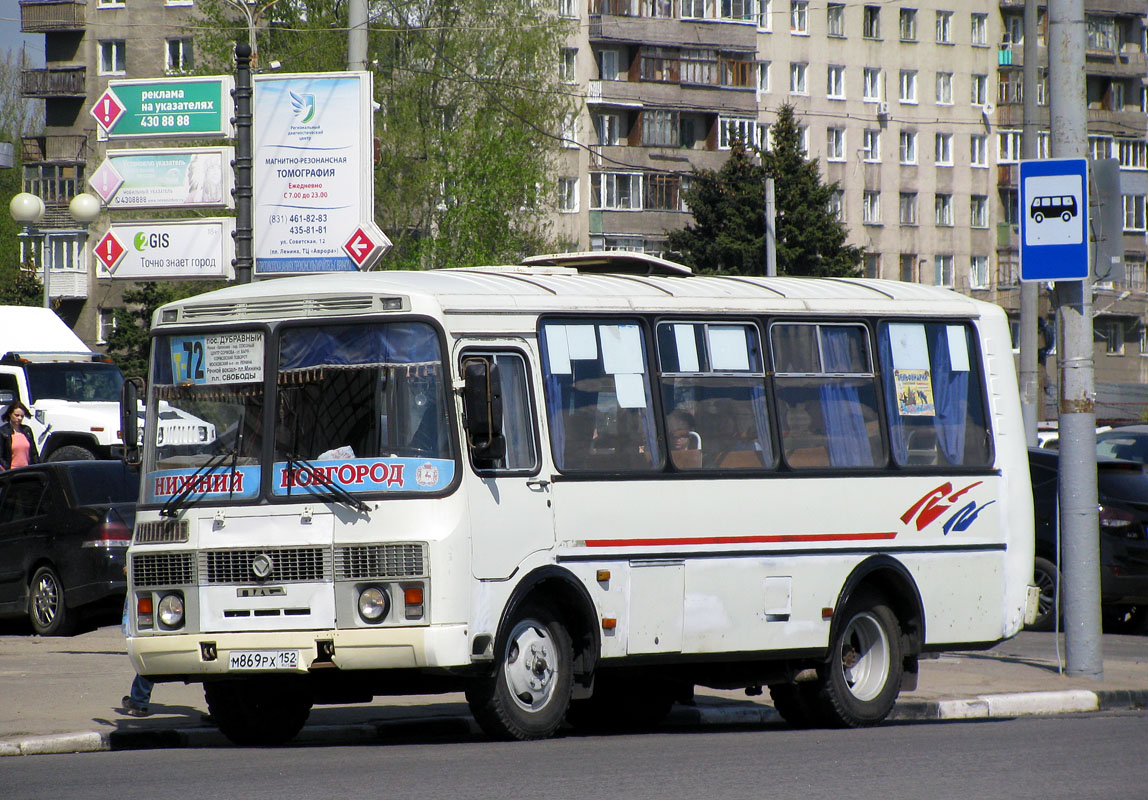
x=1067 y=217
x=797 y=703
x=72 y=452
x=258 y=711
x=1038 y=217
x=527 y=695
x=861 y=678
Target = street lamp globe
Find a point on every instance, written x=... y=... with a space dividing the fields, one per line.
x=84 y=208
x=27 y=209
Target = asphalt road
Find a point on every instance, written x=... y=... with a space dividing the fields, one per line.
x=1074 y=756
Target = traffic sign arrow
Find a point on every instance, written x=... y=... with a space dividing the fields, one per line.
x=366 y=245
x=106 y=180
x=109 y=251
x=108 y=110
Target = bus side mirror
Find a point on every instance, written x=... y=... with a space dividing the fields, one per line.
x=129 y=419
x=482 y=404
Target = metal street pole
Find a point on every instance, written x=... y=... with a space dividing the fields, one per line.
x=357 y=35
x=1080 y=543
x=1030 y=399
x=243 y=157
x=770 y=229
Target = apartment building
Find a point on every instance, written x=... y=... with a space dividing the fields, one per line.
x=85 y=45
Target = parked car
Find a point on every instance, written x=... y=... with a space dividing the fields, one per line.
x=1128 y=442
x=64 y=532
x=1122 y=494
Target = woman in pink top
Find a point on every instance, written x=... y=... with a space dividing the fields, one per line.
x=17 y=445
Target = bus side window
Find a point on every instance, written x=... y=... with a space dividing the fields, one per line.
x=520 y=453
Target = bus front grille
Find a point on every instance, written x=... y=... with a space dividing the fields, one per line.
x=163 y=569
x=358 y=562
x=164 y=531
x=270 y=565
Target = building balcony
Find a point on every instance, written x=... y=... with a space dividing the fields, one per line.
x=67 y=148
x=636 y=94
x=612 y=24
x=54 y=82
x=44 y=16
x=1117 y=123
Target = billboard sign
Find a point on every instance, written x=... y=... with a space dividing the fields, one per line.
x=199 y=177
x=200 y=106
x=188 y=249
x=313 y=177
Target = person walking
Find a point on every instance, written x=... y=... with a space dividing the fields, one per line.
x=17 y=444
x=137 y=703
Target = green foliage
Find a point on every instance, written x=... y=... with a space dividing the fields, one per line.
x=470 y=116
x=728 y=233
x=128 y=343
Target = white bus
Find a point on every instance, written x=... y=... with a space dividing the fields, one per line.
x=576 y=489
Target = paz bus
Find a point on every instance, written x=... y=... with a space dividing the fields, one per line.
x=575 y=489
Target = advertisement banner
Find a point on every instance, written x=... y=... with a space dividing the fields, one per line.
x=188 y=249
x=192 y=177
x=313 y=181
x=200 y=106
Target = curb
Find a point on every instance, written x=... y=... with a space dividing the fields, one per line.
x=426 y=729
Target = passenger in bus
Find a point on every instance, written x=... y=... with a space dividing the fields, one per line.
x=685 y=442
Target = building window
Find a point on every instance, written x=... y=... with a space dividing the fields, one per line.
x=944 y=88
x=765 y=15
x=872 y=92
x=179 y=55
x=908 y=25
x=1008 y=147
x=732 y=128
x=568 y=195
x=1010 y=205
x=663 y=192
x=105 y=324
x=836 y=205
x=871 y=208
x=1099 y=147
x=980 y=30
x=944 y=210
x=979 y=150
x=799 y=17
x=617 y=191
x=944 y=27
x=871 y=144
x=608 y=65
x=112 y=61
x=1113 y=333
x=979 y=272
x=908 y=147
x=570 y=130
x=1043 y=145
x=660 y=128
x=871 y=263
x=763 y=77
x=1100 y=32
x=609 y=129
x=691 y=9
x=566 y=66
x=944 y=149
x=797 y=78
x=836 y=82
x=1134 y=212
x=943 y=271
x=908 y=84
x=871 y=22
x=979 y=211
x=980 y=90
x=908 y=208
x=835 y=20
x=907 y=267
x=740 y=10
x=568 y=8
x=834 y=144
x=1133 y=153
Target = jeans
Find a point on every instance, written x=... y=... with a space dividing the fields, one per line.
x=141 y=686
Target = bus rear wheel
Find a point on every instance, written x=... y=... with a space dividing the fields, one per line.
x=527 y=695
x=861 y=678
x=259 y=711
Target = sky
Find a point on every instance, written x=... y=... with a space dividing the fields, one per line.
x=10 y=36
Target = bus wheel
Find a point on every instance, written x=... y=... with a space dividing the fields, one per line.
x=1066 y=216
x=1045 y=578
x=1038 y=217
x=259 y=711
x=862 y=677
x=527 y=695
x=796 y=703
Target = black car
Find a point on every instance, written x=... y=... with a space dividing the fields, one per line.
x=1122 y=494
x=64 y=533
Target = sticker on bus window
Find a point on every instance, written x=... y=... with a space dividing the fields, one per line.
x=364 y=475
x=557 y=350
x=687 y=347
x=958 y=348
x=217 y=358
x=581 y=342
x=630 y=389
x=225 y=482
x=728 y=351
x=909 y=346
x=914 y=392
x=621 y=349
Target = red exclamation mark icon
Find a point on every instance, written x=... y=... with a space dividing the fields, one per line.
x=107 y=111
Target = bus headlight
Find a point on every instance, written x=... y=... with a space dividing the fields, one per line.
x=373 y=604
x=171 y=611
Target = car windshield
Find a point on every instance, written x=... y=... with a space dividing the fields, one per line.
x=100 y=482
x=76 y=381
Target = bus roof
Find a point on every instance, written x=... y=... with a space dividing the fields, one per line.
x=545 y=288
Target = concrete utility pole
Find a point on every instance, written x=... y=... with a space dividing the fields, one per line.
x=357 y=35
x=770 y=229
x=243 y=157
x=1080 y=544
x=1031 y=403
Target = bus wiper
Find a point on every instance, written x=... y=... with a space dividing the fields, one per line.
x=336 y=493
x=175 y=503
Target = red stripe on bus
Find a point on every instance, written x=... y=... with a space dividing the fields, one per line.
x=796 y=537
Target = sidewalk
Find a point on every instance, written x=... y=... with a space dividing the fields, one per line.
x=62 y=695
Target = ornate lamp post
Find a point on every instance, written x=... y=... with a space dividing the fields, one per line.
x=28 y=210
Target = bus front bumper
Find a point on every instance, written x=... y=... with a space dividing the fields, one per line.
x=194 y=657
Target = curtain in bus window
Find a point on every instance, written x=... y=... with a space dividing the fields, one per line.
x=841 y=404
x=898 y=436
x=515 y=413
x=950 y=392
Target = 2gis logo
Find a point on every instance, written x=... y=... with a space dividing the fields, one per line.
x=150 y=241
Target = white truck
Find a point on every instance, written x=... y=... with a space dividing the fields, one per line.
x=72 y=391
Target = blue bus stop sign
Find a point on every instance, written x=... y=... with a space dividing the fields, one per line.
x=1054 y=219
